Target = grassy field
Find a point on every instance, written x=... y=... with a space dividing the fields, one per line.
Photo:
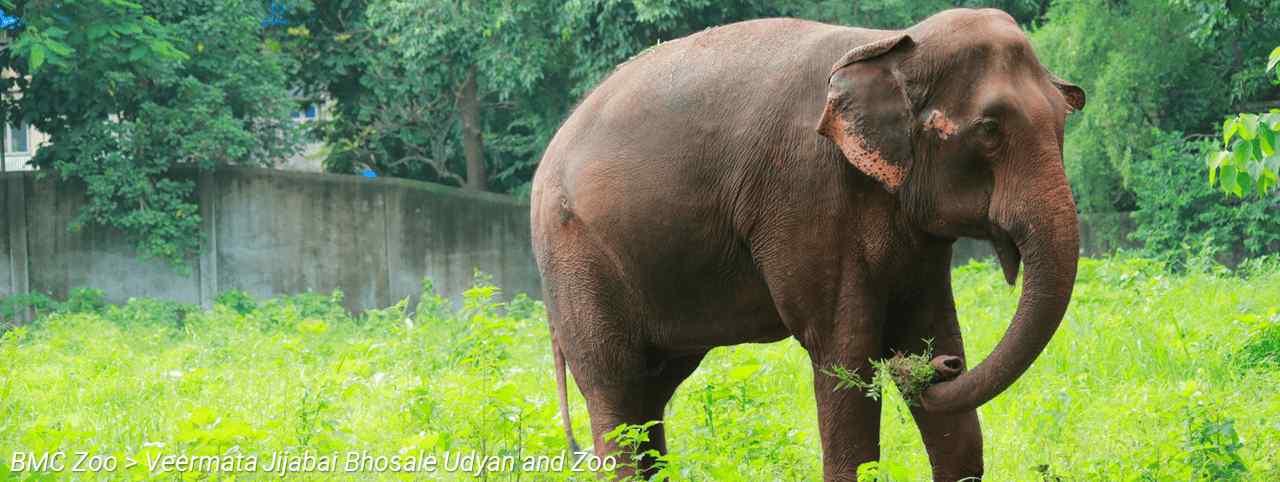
x=1153 y=376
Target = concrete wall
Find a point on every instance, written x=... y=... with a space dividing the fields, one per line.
x=271 y=232
x=1100 y=234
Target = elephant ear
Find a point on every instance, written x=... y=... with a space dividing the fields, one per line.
x=868 y=113
x=1073 y=93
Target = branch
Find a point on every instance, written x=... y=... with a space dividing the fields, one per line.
x=1256 y=106
x=437 y=165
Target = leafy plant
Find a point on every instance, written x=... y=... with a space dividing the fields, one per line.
x=129 y=91
x=1213 y=445
x=301 y=369
x=238 y=300
x=910 y=373
x=1251 y=161
x=630 y=438
x=1262 y=345
x=1180 y=217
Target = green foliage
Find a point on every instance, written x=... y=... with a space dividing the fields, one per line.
x=630 y=437
x=128 y=91
x=396 y=72
x=877 y=471
x=1213 y=445
x=911 y=374
x=237 y=300
x=80 y=300
x=1168 y=389
x=1178 y=215
x=15 y=306
x=1262 y=346
x=84 y=300
x=395 y=69
x=1251 y=161
x=1149 y=66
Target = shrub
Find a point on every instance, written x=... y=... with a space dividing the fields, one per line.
x=151 y=312
x=13 y=306
x=84 y=300
x=1180 y=215
x=238 y=300
x=1262 y=347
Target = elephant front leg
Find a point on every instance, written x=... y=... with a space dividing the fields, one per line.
x=848 y=420
x=953 y=441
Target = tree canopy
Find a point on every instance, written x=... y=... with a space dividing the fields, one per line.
x=129 y=90
x=469 y=92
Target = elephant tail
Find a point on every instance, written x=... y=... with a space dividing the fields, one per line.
x=562 y=387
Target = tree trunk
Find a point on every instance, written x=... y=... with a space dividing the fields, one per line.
x=472 y=138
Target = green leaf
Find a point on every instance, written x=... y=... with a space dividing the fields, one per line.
x=1240 y=153
x=1273 y=59
x=37 y=57
x=1216 y=159
x=137 y=53
x=1244 y=183
x=1248 y=126
x=1255 y=169
x=1272 y=162
x=1229 y=128
x=1228 y=179
x=1266 y=141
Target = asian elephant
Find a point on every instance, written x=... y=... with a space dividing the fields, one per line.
x=782 y=177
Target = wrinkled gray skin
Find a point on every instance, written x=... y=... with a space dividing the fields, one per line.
x=780 y=178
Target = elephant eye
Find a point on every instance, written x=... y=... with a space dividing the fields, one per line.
x=988 y=126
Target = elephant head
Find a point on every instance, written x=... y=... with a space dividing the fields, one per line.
x=958 y=119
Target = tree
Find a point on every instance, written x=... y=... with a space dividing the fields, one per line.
x=470 y=92
x=426 y=81
x=1251 y=160
x=1160 y=66
x=127 y=91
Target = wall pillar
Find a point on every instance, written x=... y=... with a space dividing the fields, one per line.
x=206 y=187
x=19 y=262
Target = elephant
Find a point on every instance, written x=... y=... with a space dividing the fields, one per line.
x=783 y=178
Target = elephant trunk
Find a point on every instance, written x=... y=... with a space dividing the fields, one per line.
x=1042 y=229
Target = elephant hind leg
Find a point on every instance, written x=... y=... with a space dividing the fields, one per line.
x=637 y=399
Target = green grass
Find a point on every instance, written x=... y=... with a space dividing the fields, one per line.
x=1152 y=376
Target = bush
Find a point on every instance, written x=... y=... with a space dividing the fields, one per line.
x=1262 y=347
x=1180 y=215
x=238 y=300
x=151 y=312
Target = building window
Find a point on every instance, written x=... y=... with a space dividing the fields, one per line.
x=308 y=114
x=17 y=136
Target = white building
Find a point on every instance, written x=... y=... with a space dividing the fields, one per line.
x=20 y=143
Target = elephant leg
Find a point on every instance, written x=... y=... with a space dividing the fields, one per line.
x=838 y=324
x=661 y=387
x=953 y=441
x=638 y=399
x=848 y=420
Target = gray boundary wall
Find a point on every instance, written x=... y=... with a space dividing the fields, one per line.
x=274 y=232
x=1100 y=234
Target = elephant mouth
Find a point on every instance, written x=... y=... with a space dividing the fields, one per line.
x=1008 y=254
